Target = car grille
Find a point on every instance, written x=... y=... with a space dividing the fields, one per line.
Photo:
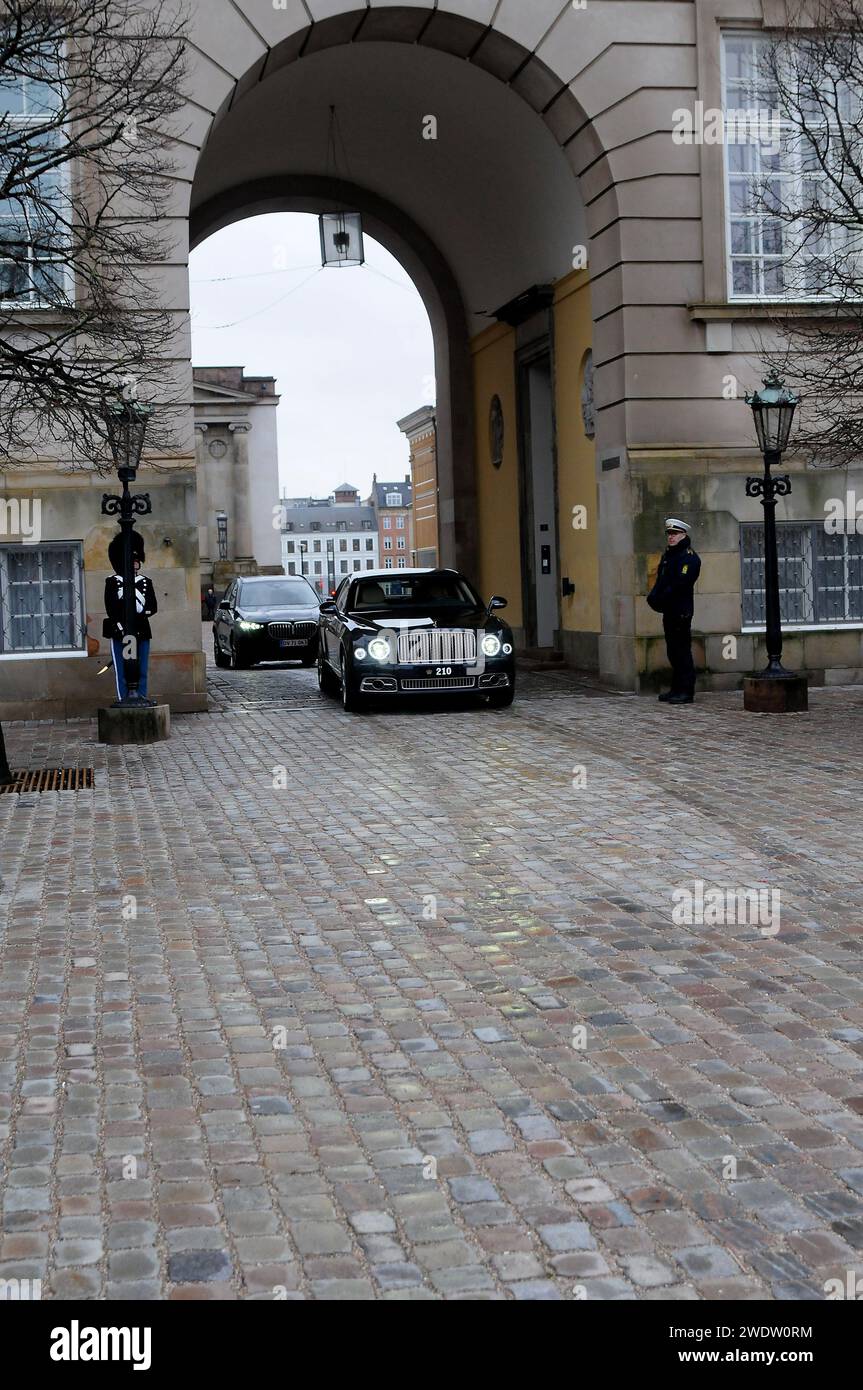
x=439 y=683
x=301 y=630
x=437 y=644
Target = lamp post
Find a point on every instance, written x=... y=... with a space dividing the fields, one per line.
x=774 y=689
x=331 y=565
x=126 y=423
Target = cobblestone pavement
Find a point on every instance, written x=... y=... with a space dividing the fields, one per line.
x=421 y=1022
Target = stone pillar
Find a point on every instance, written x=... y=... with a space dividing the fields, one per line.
x=242 y=496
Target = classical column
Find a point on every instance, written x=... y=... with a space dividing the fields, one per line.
x=243 y=550
x=202 y=495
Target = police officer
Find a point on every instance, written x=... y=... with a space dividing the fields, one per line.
x=672 y=596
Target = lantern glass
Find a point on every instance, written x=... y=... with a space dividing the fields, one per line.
x=341 y=239
x=126 y=423
x=773 y=411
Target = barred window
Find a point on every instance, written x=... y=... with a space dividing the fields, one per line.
x=41 y=598
x=820 y=575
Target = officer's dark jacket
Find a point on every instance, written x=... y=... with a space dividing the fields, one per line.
x=145 y=602
x=676 y=578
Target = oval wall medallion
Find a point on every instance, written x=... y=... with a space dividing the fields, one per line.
x=218 y=449
x=496 y=431
x=588 y=406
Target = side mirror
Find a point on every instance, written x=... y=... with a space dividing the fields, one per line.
x=328 y=608
x=497 y=602
x=225 y=604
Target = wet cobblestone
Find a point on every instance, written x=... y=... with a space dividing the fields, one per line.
x=416 y=1020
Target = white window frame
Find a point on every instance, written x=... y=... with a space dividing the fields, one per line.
x=394 y=499
x=794 y=175
x=26 y=121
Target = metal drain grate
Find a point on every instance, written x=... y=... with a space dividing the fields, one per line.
x=51 y=779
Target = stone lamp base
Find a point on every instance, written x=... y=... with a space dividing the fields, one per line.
x=135 y=724
x=776 y=694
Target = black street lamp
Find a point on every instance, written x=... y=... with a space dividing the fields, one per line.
x=126 y=424
x=5 y=770
x=773 y=407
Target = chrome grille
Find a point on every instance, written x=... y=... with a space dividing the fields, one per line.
x=302 y=630
x=439 y=683
x=432 y=645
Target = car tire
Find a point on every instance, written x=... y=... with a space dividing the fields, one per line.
x=221 y=660
x=352 y=701
x=326 y=679
x=501 y=699
x=238 y=663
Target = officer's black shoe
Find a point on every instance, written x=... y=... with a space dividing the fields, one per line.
x=664 y=699
x=681 y=700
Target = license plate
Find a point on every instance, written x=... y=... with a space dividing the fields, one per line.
x=292 y=642
x=445 y=669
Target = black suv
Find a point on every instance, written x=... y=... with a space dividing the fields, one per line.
x=267 y=618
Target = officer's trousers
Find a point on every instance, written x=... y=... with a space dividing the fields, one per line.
x=678 y=643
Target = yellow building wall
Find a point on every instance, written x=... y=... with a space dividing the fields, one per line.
x=497 y=488
x=576 y=465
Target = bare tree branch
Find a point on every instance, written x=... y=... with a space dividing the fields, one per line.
x=88 y=90
x=813 y=69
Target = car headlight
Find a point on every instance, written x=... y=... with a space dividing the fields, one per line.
x=490 y=644
x=251 y=627
x=379 y=648
x=507 y=649
x=360 y=653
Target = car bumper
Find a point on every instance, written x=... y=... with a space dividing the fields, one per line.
x=424 y=681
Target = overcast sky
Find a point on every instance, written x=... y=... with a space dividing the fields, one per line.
x=351 y=349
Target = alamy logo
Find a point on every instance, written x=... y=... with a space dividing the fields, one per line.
x=77 y=1343
x=736 y=126
x=20 y=1290
x=844 y=515
x=21 y=518
x=714 y=907
x=852 y=1288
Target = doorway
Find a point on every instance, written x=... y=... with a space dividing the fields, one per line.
x=538 y=473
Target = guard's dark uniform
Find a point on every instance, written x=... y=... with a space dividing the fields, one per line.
x=672 y=596
x=146 y=606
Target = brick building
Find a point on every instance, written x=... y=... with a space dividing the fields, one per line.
x=420 y=429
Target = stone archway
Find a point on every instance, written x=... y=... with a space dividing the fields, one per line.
x=403 y=33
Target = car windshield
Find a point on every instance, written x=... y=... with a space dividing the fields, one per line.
x=415 y=591
x=278 y=593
